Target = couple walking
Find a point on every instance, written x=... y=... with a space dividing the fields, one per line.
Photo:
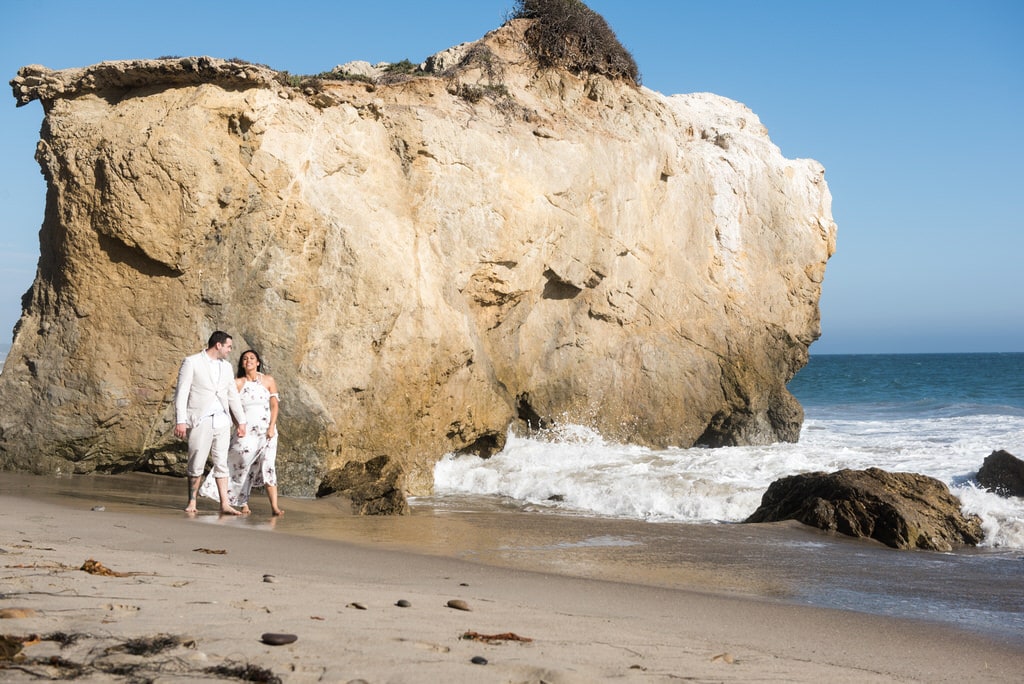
x=205 y=399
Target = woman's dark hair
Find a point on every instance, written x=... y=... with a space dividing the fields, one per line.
x=241 y=368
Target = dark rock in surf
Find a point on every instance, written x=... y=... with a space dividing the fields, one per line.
x=901 y=510
x=1002 y=473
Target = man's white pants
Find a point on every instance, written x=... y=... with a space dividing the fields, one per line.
x=205 y=440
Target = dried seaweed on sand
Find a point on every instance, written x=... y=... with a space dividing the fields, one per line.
x=495 y=638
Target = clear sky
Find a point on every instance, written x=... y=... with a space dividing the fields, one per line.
x=914 y=107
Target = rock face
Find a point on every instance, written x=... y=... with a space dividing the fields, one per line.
x=422 y=263
x=901 y=510
x=1003 y=473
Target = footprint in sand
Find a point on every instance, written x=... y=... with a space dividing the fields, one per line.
x=427 y=646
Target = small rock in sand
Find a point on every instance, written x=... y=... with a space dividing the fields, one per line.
x=278 y=639
x=402 y=603
x=458 y=604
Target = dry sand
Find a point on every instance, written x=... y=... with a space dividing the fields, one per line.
x=193 y=603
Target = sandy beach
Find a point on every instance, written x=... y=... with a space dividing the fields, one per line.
x=191 y=600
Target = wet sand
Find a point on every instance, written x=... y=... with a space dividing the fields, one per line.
x=596 y=599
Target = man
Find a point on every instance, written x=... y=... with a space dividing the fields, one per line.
x=206 y=391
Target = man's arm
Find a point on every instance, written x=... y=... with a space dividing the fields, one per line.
x=181 y=393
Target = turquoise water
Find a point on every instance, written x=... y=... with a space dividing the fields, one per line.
x=892 y=386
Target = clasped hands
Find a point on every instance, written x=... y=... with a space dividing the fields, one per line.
x=181 y=429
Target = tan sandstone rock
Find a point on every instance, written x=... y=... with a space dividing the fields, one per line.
x=423 y=263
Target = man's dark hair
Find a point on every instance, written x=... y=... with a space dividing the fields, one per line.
x=218 y=337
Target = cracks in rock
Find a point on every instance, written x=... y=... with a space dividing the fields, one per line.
x=401 y=148
x=495 y=296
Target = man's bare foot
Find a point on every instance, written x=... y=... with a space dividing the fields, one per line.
x=228 y=510
x=278 y=511
x=191 y=508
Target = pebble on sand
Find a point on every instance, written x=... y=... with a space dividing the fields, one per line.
x=278 y=639
x=402 y=603
x=458 y=604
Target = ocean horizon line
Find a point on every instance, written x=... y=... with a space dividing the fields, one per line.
x=918 y=353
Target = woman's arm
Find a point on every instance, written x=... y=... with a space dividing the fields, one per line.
x=271 y=386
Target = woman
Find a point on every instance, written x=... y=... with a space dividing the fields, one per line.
x=251 y=458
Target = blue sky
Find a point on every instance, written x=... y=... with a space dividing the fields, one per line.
x=915 y=108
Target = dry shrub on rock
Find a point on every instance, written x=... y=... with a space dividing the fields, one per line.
x=570 y=35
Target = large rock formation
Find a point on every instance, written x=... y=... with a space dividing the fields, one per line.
x=423 y=262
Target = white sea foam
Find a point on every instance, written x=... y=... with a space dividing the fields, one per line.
x=574 y=469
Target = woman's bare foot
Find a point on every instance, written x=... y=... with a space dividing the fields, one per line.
x=228 y=510
x=272 y=498
x=245 y=510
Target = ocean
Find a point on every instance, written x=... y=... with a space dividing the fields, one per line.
x=934 y=414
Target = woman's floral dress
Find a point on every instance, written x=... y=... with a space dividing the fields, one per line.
x=250 y=458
